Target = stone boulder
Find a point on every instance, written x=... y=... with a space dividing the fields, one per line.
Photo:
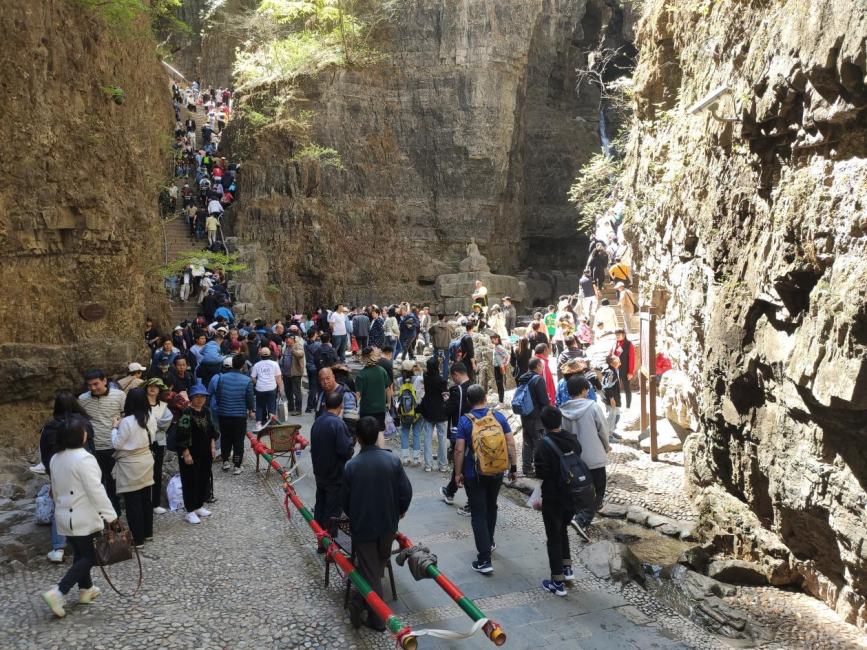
x=737 y=572
x=678 y=400
x=669 y=437
x=455 y=290
x=612 y=561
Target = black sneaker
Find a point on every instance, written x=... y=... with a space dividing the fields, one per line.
x=568 y=573
x=482 y=567
x=556 y=588
x=465 y=511
x=355 y=615
x=580 y=529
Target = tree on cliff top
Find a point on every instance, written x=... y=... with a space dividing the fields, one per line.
x=124 y=14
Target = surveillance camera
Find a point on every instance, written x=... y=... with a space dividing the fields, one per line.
x=708 y=101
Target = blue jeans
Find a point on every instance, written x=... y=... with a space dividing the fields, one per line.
x=58 y=541
x=445 y=356
x=398 y=346
x=339 y=344
x=442 y=444
x=266 y=404
x=416 y=428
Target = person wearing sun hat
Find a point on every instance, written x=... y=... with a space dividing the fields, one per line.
x=196 y=453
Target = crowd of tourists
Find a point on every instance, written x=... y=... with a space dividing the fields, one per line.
x=209 y=377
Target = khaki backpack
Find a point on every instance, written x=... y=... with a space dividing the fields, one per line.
x=489 y=445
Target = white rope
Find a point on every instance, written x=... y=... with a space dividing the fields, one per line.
x=449 y=634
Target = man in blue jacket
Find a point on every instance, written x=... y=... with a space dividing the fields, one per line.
x=375 y=494
x=236 y=401
x=311 y=347
x=408 y=332
x=330 y=447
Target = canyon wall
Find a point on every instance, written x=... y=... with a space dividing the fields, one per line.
x=78 y=221
x=751 y=239
x=470 y=127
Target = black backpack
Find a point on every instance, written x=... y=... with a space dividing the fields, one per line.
x=574 y=483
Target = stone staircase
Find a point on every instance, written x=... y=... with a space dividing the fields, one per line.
x=177 y=234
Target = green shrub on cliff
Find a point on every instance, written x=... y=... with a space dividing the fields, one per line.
x=124 y=14
x=593 y=191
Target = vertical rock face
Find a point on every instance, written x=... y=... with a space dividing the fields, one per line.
x=470 y=128
x=78 y=222
x=752 y=239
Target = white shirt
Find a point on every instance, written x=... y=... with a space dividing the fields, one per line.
x=214 y=206
x=265 y=372
x=481 y=292
x=339 y=324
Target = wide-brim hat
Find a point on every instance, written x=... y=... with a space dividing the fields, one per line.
x=573 y=367
x=198 y=389
x=155 y=381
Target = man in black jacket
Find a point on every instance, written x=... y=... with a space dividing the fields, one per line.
x=455 y=406
x=556 y=509
x=532 y=423
x=376 y=494
x=330 y=447
x=572 y=351
x=468 y=352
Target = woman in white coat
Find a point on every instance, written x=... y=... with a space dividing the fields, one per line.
x=81 y=512
x=155 y=389
x=134 y=467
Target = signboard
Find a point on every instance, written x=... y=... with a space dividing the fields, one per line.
x=92 y=312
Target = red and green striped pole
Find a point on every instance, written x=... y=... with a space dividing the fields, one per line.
x=405 y=636
x=492 y=629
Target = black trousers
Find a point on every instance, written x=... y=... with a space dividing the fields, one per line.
x=371 y=557
x=195 y=479
x=482 y=493
x=585 y=515
x=327 y=503
x=624 y=381
x=158 y=452
x=471 y=372
x=556 y=521
x=531 y=436
x=83 y=559
x=293 y=394
x=105 y=460
x=498 y=378
x=232 y=433
x=139 y=514
x=362 y=342
x=452 y=487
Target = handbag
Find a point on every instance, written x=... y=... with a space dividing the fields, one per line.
x=114 y=546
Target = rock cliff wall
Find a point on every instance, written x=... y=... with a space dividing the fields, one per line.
x=78 y=222
x=471 y=127
x=751 y=240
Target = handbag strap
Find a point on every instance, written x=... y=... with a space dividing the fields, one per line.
x=111 y=584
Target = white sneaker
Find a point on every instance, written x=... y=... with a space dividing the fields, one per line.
x=226 y=466
x=193 y=518
x=38 y=468
x=55 y=600
x=86 y=596
x=159 y=510
x=259 y=426
x=203 y=512
x=236 y=471
x=56 y=555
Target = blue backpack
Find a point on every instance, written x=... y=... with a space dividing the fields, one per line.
x=455 y=350
x=522 y=402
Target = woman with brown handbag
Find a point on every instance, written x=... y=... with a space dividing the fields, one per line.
x=82 y=509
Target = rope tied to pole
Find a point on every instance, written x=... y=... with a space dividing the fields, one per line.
x=419 y=558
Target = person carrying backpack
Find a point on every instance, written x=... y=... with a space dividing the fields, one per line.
x=584 y=418
x=410 y=390
x=484 y=451
x=558 y=508
x=529 y=400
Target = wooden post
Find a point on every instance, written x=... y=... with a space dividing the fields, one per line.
x=647 y=379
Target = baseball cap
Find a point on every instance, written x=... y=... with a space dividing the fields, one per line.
x=227 y=362
x=265 y=352
x=135 y=366
x=198 y=389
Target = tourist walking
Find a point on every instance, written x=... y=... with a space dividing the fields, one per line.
x=583 y=418
x=624 y=350
x=557 y=507
x=442 y=333
x=82 y=509
x=434 y=416
x=268 y=381
x=375 y=493
x=103 y=406
x=331 y=446
x=410 y=391
x=67 y=411
x=311 y=347
x=235 y=402
x=482 y=485
x=133 y=472
x=197 y=450
x=500 y=361
x=510 y=314
x=156 y=390
x=531 y=423
x=373 y=388
x=292 y=366
x=455 y=406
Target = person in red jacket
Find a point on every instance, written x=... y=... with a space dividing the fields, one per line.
x=542 y=352
x=624 y=349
